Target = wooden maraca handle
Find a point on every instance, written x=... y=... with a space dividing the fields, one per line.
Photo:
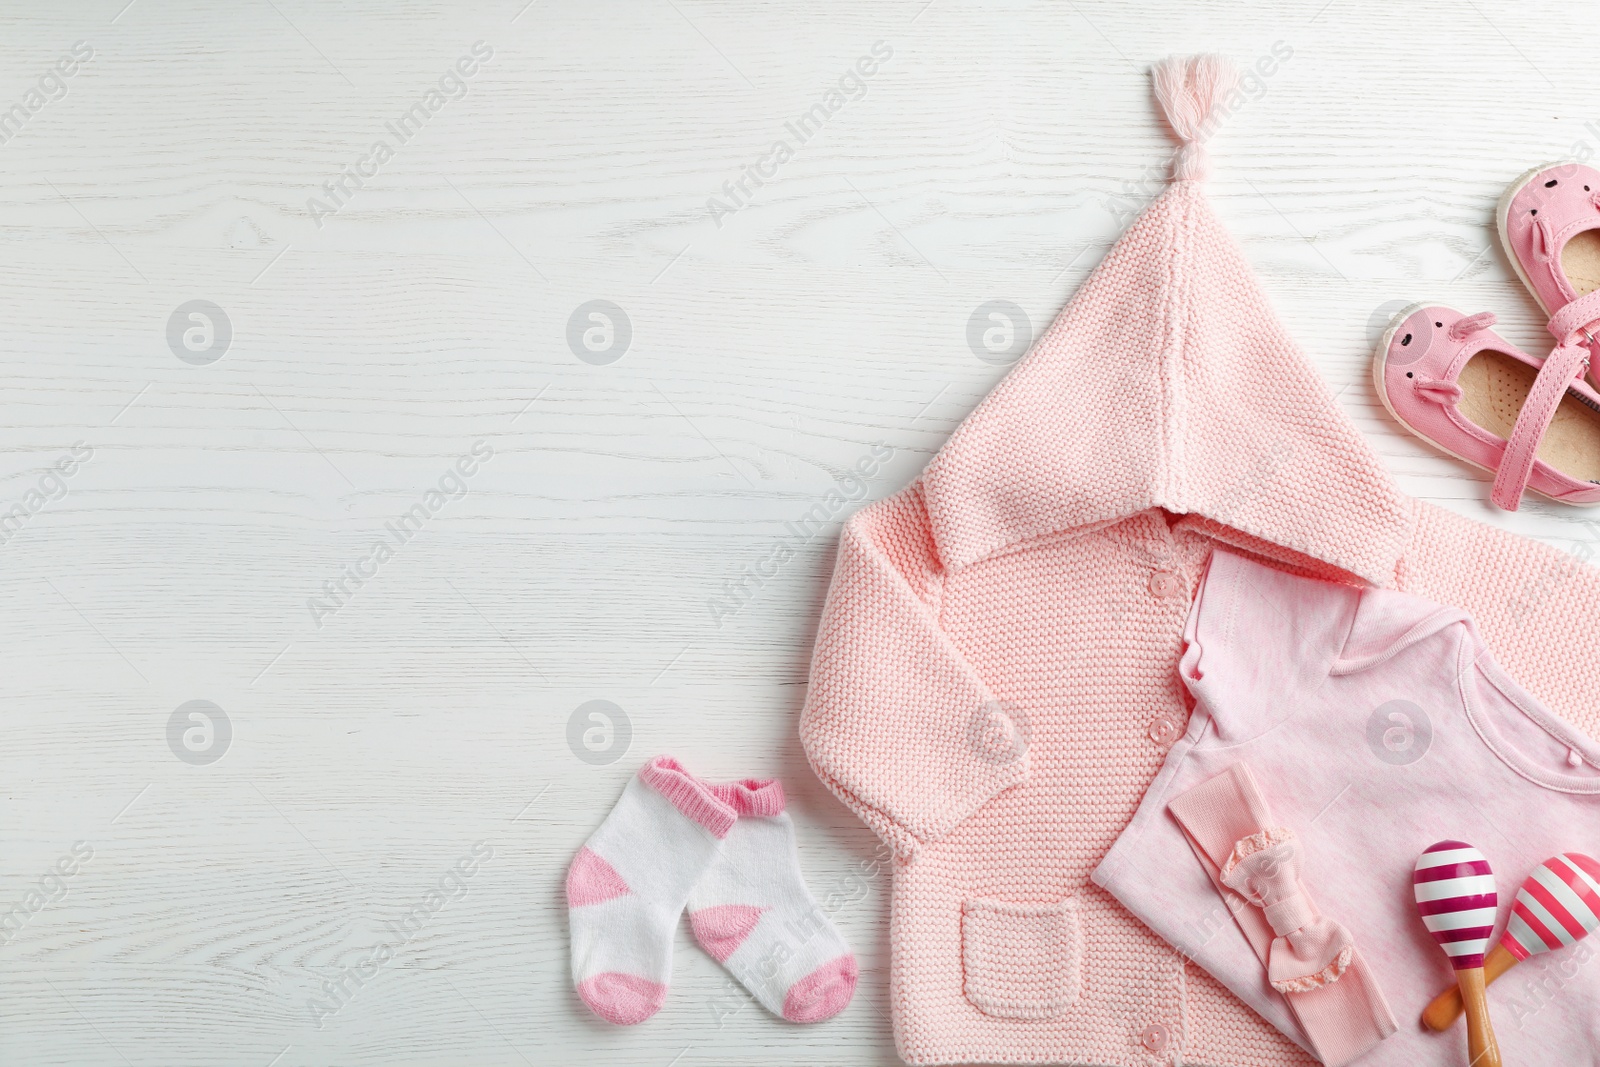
x=1446 y=1008
x=1482 y=1049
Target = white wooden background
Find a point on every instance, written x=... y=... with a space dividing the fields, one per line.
x=992 y=157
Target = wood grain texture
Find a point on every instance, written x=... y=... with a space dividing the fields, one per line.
x=993 y=157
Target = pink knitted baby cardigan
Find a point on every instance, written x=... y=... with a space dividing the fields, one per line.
x=994 y=682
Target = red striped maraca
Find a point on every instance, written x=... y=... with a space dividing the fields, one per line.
x=1456 y=899
x=1556 y=906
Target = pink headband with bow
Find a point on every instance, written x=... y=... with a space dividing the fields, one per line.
x=1311 y=959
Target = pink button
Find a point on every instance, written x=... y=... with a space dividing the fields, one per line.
x=1164 y=729
x=1166 y=584
x=1155 y=1037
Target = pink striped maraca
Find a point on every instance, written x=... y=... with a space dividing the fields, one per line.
x=1457 y=900
x=1556 y=906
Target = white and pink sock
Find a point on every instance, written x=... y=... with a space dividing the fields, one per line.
x=752 y=912
x=630 y=882
x=728 y=853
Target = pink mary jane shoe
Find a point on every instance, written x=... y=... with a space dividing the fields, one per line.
x=1532 y=423
x=1549 y=222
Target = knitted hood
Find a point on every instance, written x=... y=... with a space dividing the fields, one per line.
x=1168 y=382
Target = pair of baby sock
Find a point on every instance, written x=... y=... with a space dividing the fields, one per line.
x=727 y=854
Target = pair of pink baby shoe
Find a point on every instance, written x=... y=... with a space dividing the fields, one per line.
x=1531 y=421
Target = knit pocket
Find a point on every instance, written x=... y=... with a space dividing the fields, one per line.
x=1021 y=960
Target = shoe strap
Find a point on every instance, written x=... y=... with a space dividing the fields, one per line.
x=1565 y=364
x=1577 y=321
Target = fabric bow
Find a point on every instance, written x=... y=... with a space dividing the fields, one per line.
x=1309 y=951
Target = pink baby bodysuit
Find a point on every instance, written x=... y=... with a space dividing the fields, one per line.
x=1338 y=732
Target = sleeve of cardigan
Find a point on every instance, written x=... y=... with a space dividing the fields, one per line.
x=1536 y=607
x=896 y=721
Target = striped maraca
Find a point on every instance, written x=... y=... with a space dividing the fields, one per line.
x=1457 y=900
x=1557 y=905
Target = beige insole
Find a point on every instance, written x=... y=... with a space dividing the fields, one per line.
x=1493 y=389
x=1580 y=259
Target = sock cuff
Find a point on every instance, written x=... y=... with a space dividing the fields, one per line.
x=753 y=796
x=714 y=806
x=696 y=799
